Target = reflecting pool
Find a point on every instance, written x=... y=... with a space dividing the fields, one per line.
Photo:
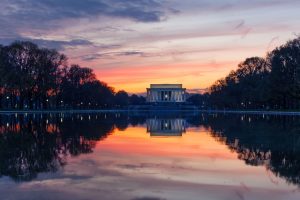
x=134 y=156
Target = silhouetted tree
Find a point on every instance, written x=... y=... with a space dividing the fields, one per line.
x=285 y=75
x=29 y=74
x=247 y=87
x=39 y=78
x=261 y=83
x=121 y=98
x=199 y=100
x=80 y=88
x=252 y=79
x=136 y=100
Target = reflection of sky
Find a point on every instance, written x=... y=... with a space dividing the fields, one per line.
x=133 y=43
x=131 y=165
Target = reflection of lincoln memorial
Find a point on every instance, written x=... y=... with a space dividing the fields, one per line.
x=159 y=93
x=166 y=127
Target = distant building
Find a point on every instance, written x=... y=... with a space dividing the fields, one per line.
x=166 y=93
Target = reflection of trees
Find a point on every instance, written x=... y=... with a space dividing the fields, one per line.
x=272 y=141
x=33 y=144
x=29 y=151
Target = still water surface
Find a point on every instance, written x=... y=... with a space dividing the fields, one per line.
x=149 y=157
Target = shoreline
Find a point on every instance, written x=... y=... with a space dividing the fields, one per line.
x=199 y=111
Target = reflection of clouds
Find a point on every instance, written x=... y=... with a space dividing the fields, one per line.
x=130 y=187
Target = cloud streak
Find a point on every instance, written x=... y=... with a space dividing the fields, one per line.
x=53 y=44
x=110 y=55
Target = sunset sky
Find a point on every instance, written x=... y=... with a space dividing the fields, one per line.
x=132 y=43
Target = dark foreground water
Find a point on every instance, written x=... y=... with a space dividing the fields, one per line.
x=149 y=157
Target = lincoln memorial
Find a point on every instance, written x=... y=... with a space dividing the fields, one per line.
x=164 y=93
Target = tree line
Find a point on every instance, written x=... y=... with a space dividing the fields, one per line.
x=39 y=78
x=272 y=82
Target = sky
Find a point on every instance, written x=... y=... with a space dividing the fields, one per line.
x=133 y=43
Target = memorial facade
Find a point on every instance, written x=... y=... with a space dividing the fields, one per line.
x=164 y=93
